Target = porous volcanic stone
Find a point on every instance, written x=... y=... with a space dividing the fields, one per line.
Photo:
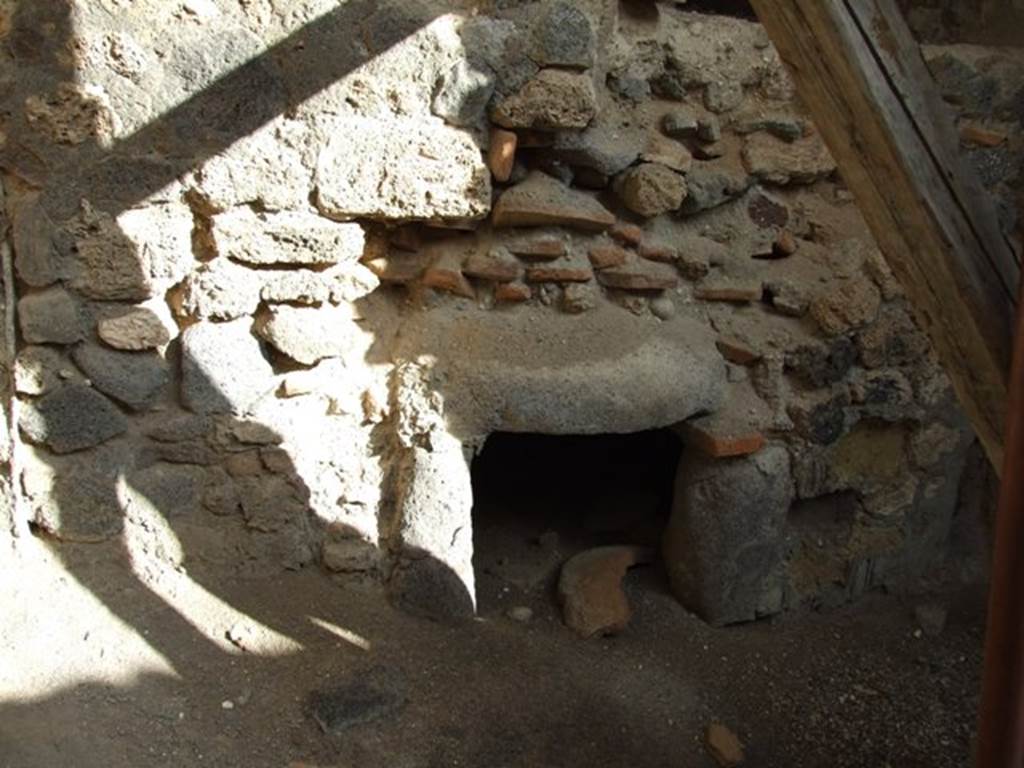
x=462 y=93
x=39 y=369
x=133 y=378
x=709 y=185
x=604 y=147
x=286 y=238
x=651 y=189
x=679 y=123
x=562 y=36
x=309 y=334
x=52 y=316
x=135 y=329
x=71 y=418
x=220 y=290
x=223 y=367
x=76 y=497
x=780 y=162
x=553 y=100
x=135 y=256
x=401 y=169
x=850 y=305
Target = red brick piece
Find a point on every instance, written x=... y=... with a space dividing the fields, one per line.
x=543 y=249
x=785 y=244
x=501 y=155
x=657 y=252
x=738 y=293
x=735 y=351
x=604 y=256
x=512 y=292
x=639 y=276
x=448 y=280
x=497 y=265
x=721 y=437
x=627 y=234
x=971 y=133
x=558 y=275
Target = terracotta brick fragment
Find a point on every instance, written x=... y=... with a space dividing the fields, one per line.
x=627 y=234
x=736 y=292
x=656 y=251
x=659 y=252
x=604 y=256
x=448 y=280
x=546 y=248
x=398 y=267
x=497 y=265
x=721 y=437
x=723 y=745
x=558 y=275
x=639 y=276
x=501 y=155
x=512 y=292
x=785 y=244
x=972 y=133
x=736 y=351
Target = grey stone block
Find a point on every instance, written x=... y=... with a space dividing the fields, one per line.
x=135 y=379
x=71 y=419
x=724 y=543
x=52 y=316
x=223 y=367
x=563 y=36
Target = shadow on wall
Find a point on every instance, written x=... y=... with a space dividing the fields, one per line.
x=263 y=504
x=128 y=170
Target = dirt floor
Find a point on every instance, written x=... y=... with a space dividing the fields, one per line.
x=133 y=665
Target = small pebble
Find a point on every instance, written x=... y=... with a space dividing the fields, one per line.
x=663 y=308
x=785 y=244
x=709 y=130
x=723 y=745
x=227 y=704
x=520 y=613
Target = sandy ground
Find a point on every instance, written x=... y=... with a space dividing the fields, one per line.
x=167 y=668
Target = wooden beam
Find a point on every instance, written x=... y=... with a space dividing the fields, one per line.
x=861 y=75
x=1001 y=720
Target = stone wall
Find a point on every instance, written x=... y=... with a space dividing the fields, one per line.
x=283 y=269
